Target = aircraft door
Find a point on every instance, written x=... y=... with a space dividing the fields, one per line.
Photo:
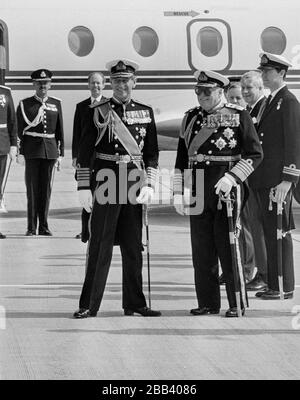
x=209 y=44
x=3 y=44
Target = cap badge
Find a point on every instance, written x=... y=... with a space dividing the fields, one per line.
x=203 y=77
x=120 y=66
x=43 y=74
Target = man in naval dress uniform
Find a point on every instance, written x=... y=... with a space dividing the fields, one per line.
x=8 y=136
x=276 y=177
x=40 y=130
x=83 y=120
x=220 y=140
x=126 y=147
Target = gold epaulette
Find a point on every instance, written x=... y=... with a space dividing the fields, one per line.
x=192 y=109
x=141 y=104
x=235 y=106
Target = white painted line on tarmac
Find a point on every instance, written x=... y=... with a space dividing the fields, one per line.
x=80 y=285
x=41 y=286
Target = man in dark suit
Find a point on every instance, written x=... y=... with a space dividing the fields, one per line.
x=83 y=120
x=126 y=149
x=274 y=179
x=8 y=137
x=253 y=93
x=40 y=129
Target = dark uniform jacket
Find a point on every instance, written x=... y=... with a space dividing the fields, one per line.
x=139 y=120
x=279 y=134
x=42 y=119
x=83 y=121
x=256 y=111
x=8 y=121
x=232 y=143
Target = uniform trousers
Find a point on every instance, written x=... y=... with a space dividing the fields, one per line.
x=38 y=179
x=246 y=243
x=268 y=219
x=85 y=216
x=107 y=221
x=254 y=223
x=3 y=166
x=210 y=241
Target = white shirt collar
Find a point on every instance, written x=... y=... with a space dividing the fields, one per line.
x=273 y=94
x=95 y=99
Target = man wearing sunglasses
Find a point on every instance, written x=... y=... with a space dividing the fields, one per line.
x=219 y=142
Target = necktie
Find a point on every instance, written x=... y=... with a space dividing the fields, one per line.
x=248 y=108
x=268 y=100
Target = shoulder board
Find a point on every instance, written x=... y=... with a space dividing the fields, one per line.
x=28 y=98
x=5 y=87
x=55 y=98
x=193 y=109
x=236 y=106
x=142 y=104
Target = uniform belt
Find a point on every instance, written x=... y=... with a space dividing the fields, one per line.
x=3 y=125
x=118 y=158
x=43 y=135
x=205 y=157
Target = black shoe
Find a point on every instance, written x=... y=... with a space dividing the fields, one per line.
x=221 y=279
x=45 y=232
x=261 y=292
x=257 y=283
x=275 y=295
x=2 y=236
x=144 y=311
x=232 y=312
x=204 y=311
x=30 y=233
x=78 y=236
x=84 y=313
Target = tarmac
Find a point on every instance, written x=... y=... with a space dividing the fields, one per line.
x=40 y=284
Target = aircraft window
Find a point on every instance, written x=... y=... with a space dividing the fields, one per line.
x=81 y=41
x=273 y=40
x=209 y=41
x=145 y=41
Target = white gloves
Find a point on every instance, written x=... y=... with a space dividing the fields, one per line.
x=146 y=195
x=225 y=185
x=278 y=194
x=58 y=163
x=86 y=199
x=21 y=159
x=13 y=153
x=179 y=203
